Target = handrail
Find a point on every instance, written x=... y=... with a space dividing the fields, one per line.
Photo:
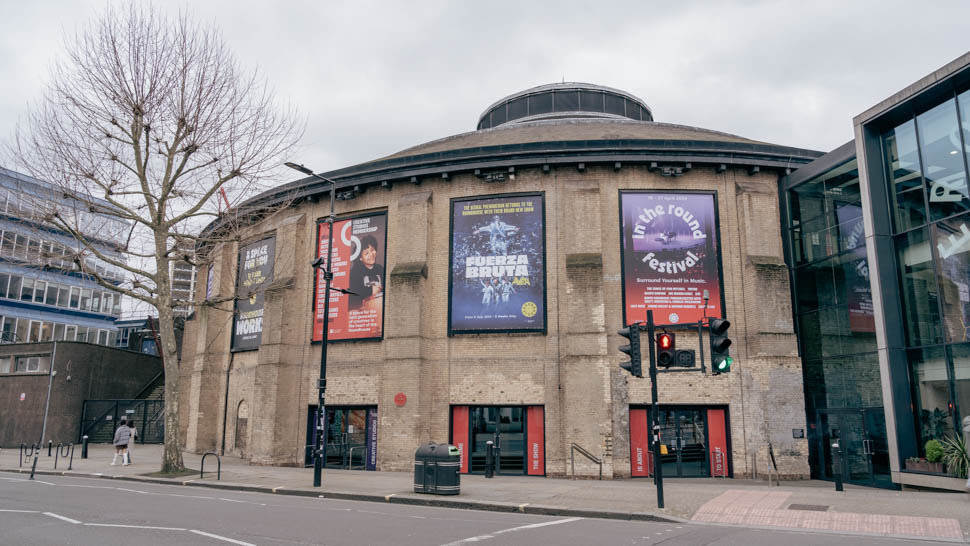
x=350 y=458
x=218 y=468
x=572 y=457
x=148 y=385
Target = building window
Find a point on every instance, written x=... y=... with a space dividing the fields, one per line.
x=940 y=146
x=102 y=337
x=34 y=333
x=70 y=332
x=14 y=291
x=40 y=288
x=123 y=335
x=75 y=297
x=85 y=299
x=5 y=364
x=918 y=286
x=27 y=364
x=58 y=332
x=27 y=289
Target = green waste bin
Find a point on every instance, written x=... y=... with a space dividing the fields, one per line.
x=436 y=469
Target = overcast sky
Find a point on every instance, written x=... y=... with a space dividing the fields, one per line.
x=372 y=78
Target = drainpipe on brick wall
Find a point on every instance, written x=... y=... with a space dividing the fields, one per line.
x=225 y=404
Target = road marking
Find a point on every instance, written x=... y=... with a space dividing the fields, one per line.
x=135 y=526
x=69 y=520
x=131 y=490
x=219 y=537
x=22 y=511
x=513 y=529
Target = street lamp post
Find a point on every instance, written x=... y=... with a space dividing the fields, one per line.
x=320 y=440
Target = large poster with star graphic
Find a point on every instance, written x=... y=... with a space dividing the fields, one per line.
x=255 y=273
x=671 y=256
x=498 y=264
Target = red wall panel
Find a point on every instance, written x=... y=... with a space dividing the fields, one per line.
x=717 y=438
x=640 y=459
x=459 y=434
x=535 y=441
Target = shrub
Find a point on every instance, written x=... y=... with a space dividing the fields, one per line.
x=955 y=456
x=934 y=451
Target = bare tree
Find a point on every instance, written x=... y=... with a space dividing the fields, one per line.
x=150 y=120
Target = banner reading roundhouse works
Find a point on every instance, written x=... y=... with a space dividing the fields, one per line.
x=498 y=271
x=670 y=256
x=359 y=253
x=254 y=275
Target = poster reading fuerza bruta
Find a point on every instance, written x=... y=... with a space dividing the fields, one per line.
x=358 y=259
x=498 y=273
x=670 y=256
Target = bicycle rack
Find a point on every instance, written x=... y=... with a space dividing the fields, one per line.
x=27 y=454
x=64 y=451
x=218 y=463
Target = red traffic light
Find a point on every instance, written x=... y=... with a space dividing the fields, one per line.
x=665 y=341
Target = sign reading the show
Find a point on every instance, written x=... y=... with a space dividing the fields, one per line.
x=255 y=274
x=498 y=264
x=358 y=258
x=670 y=256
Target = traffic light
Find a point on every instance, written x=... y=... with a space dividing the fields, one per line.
x=666 y=350
x=720 y=344
x=633 y=350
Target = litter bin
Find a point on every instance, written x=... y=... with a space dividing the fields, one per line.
x=436 y=469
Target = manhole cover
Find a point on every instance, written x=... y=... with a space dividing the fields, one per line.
x=812 y=507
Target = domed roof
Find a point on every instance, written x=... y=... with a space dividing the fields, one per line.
x=565 y=100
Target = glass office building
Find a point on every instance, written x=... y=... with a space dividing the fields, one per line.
x=878 y=246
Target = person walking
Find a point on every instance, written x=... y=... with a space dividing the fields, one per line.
x=122 y=437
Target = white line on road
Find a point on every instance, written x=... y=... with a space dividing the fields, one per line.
x=219 y=537
x=69 y=520
x=21 y=511
x=513 y=529
x=135 y=526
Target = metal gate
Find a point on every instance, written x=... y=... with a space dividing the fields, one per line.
x=100 y=418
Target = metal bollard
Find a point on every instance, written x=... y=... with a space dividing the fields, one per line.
x=84 y=446
x=489 y=459
x=50 y=445
x=837 y=466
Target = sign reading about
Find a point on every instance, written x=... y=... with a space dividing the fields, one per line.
x=255 y=273
x=670 y=256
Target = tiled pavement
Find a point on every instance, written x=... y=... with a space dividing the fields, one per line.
x=772 y=509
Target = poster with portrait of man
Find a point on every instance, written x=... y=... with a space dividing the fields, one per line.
x=498 y=272
x=255 y=273
x=671 y=256
x=358 y=260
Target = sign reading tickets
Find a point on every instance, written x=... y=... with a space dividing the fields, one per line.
x=255 y=274
x=498 y=264
x=357 y=261
x=670 y=256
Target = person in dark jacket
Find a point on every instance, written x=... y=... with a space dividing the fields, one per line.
x=122 y=437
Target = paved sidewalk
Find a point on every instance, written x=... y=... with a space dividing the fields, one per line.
x=738 y=502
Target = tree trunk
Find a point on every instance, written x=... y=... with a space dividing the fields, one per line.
x=172 y=457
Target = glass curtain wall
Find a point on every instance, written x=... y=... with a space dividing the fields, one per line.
x=926 y=163
x=834 y=315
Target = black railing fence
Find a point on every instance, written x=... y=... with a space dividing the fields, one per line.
x=100 y=418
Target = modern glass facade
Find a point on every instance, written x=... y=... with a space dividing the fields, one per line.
x=878 y=236
x=834 y=316
x=926 y=167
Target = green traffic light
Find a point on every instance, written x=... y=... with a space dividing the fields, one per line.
x=725 y=364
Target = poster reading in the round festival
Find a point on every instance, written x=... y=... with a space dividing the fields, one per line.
x=670 y=257
x=498 y=269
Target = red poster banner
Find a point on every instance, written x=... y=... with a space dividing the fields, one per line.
x=459 y=433
x=717 y=436
x=639 y=444
x=536 y=440
x=357 y=262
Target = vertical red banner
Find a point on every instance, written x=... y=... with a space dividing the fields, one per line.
x=639 y=444
x=717 y=442
x=459 y=434
x=536 y=440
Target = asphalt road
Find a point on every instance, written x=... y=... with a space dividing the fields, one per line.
x=63 y=510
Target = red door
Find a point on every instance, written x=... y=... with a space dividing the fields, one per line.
x=459 y=433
